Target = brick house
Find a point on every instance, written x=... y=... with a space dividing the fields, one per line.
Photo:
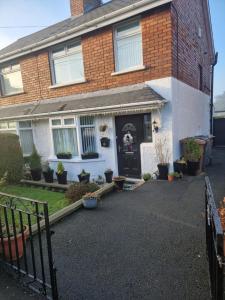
x=140 y=67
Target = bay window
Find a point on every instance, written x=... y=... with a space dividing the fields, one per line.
x=87 y=126
x=11 y=80
x=68 y=131
x=26 y=137
x=64 y=134
x=67 y=63
x=128 y=46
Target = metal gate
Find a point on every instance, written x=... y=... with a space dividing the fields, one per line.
x=25 y=243
x=214 y=244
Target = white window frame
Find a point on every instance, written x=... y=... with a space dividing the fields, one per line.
x=75 y=125
x=52 y=66
x=10 y=71
x=8 y=129
x=115 y=39
x=24 y=129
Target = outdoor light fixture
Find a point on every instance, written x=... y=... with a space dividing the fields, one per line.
x=155 y=126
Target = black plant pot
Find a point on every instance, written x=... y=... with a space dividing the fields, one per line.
x=84 y=178
x=163 y=171
x=64 y=155
x=109 y=176
x=62 y=178
x=48 y=176
x=90 y=155
x=36 y=174
x=119 y=183
x=193 y=167
x=180 y=167
x=105 y=142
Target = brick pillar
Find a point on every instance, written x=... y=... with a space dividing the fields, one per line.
x=80 y=7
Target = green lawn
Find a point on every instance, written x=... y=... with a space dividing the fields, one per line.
x=55 y=200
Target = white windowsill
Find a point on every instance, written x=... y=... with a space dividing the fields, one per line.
x=138 y=68
x=55 y=86
x=12 y=94
x=75 y=160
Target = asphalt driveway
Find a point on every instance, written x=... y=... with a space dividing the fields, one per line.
x=146 y=244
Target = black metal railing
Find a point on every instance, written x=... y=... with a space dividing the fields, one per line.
x=214 y=243
x=25 y=243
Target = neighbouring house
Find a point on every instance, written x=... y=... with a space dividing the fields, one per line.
x=111 y=79
x=219 y=120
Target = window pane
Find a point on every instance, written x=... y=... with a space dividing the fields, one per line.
x=3 y=125
x=69 y=68
x=128 y=28
x=87 y=120
x=56 y=122
x=26 y=140
x=12 y=83
x=129 y=52
x=65 y=140
x=88 y=139
x=69 y=121
x=147 y=128
x=12 y=125
x=74 y=47
x=58 y=52
x=25 y=124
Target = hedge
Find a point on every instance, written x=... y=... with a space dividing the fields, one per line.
x=11 y=157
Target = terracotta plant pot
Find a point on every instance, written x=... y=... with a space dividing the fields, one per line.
x=221 y=212
x=119 y=182
x=13 y=244
x=170 y=178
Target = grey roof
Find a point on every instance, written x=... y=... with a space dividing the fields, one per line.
x=99 y=102
x=67 y=25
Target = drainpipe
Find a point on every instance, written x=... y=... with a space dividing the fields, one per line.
x=212 y=92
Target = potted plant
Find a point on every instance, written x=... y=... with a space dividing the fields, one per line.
x=221 y=213
x=13 y=240
x=119 y=182
x=105 y=142
x=35 y=165
x=61 y=173
x=192 y=155
x=90 y=200
x=90 y=155
x=84 y=177
x=180 y=166
x=64 y=155
x=147 y=177
x=162 y=154
x=47 y=172
x=108 y=175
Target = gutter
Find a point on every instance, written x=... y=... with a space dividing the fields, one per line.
x=103 y=21
x=212 y=92
x=120 y=108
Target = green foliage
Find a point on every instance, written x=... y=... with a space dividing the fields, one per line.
x=35 y=160
x=84 y=173
x=60 y=168
x=77 y=190
x=192 y=150
x=11 y=158
x=175 y=174
x=147 y=176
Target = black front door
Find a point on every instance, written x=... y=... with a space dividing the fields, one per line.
x=129 y=132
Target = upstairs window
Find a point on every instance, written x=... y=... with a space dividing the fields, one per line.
x=8 y=127
x=11 y=80
x=128 y=46
x=67 y=63
x=26 y=137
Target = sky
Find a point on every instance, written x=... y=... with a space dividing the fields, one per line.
x=16 y=13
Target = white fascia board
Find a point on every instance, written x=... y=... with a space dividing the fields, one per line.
x=103 y=21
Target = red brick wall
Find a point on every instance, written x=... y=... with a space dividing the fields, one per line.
x=79 y=7
x=192 y=51
x=99 y=62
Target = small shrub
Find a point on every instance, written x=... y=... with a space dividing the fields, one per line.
x=192 y=150
x=60 y=168
x=77 y=190
x=147 y=176
x=35 y=160
x=11 y=157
